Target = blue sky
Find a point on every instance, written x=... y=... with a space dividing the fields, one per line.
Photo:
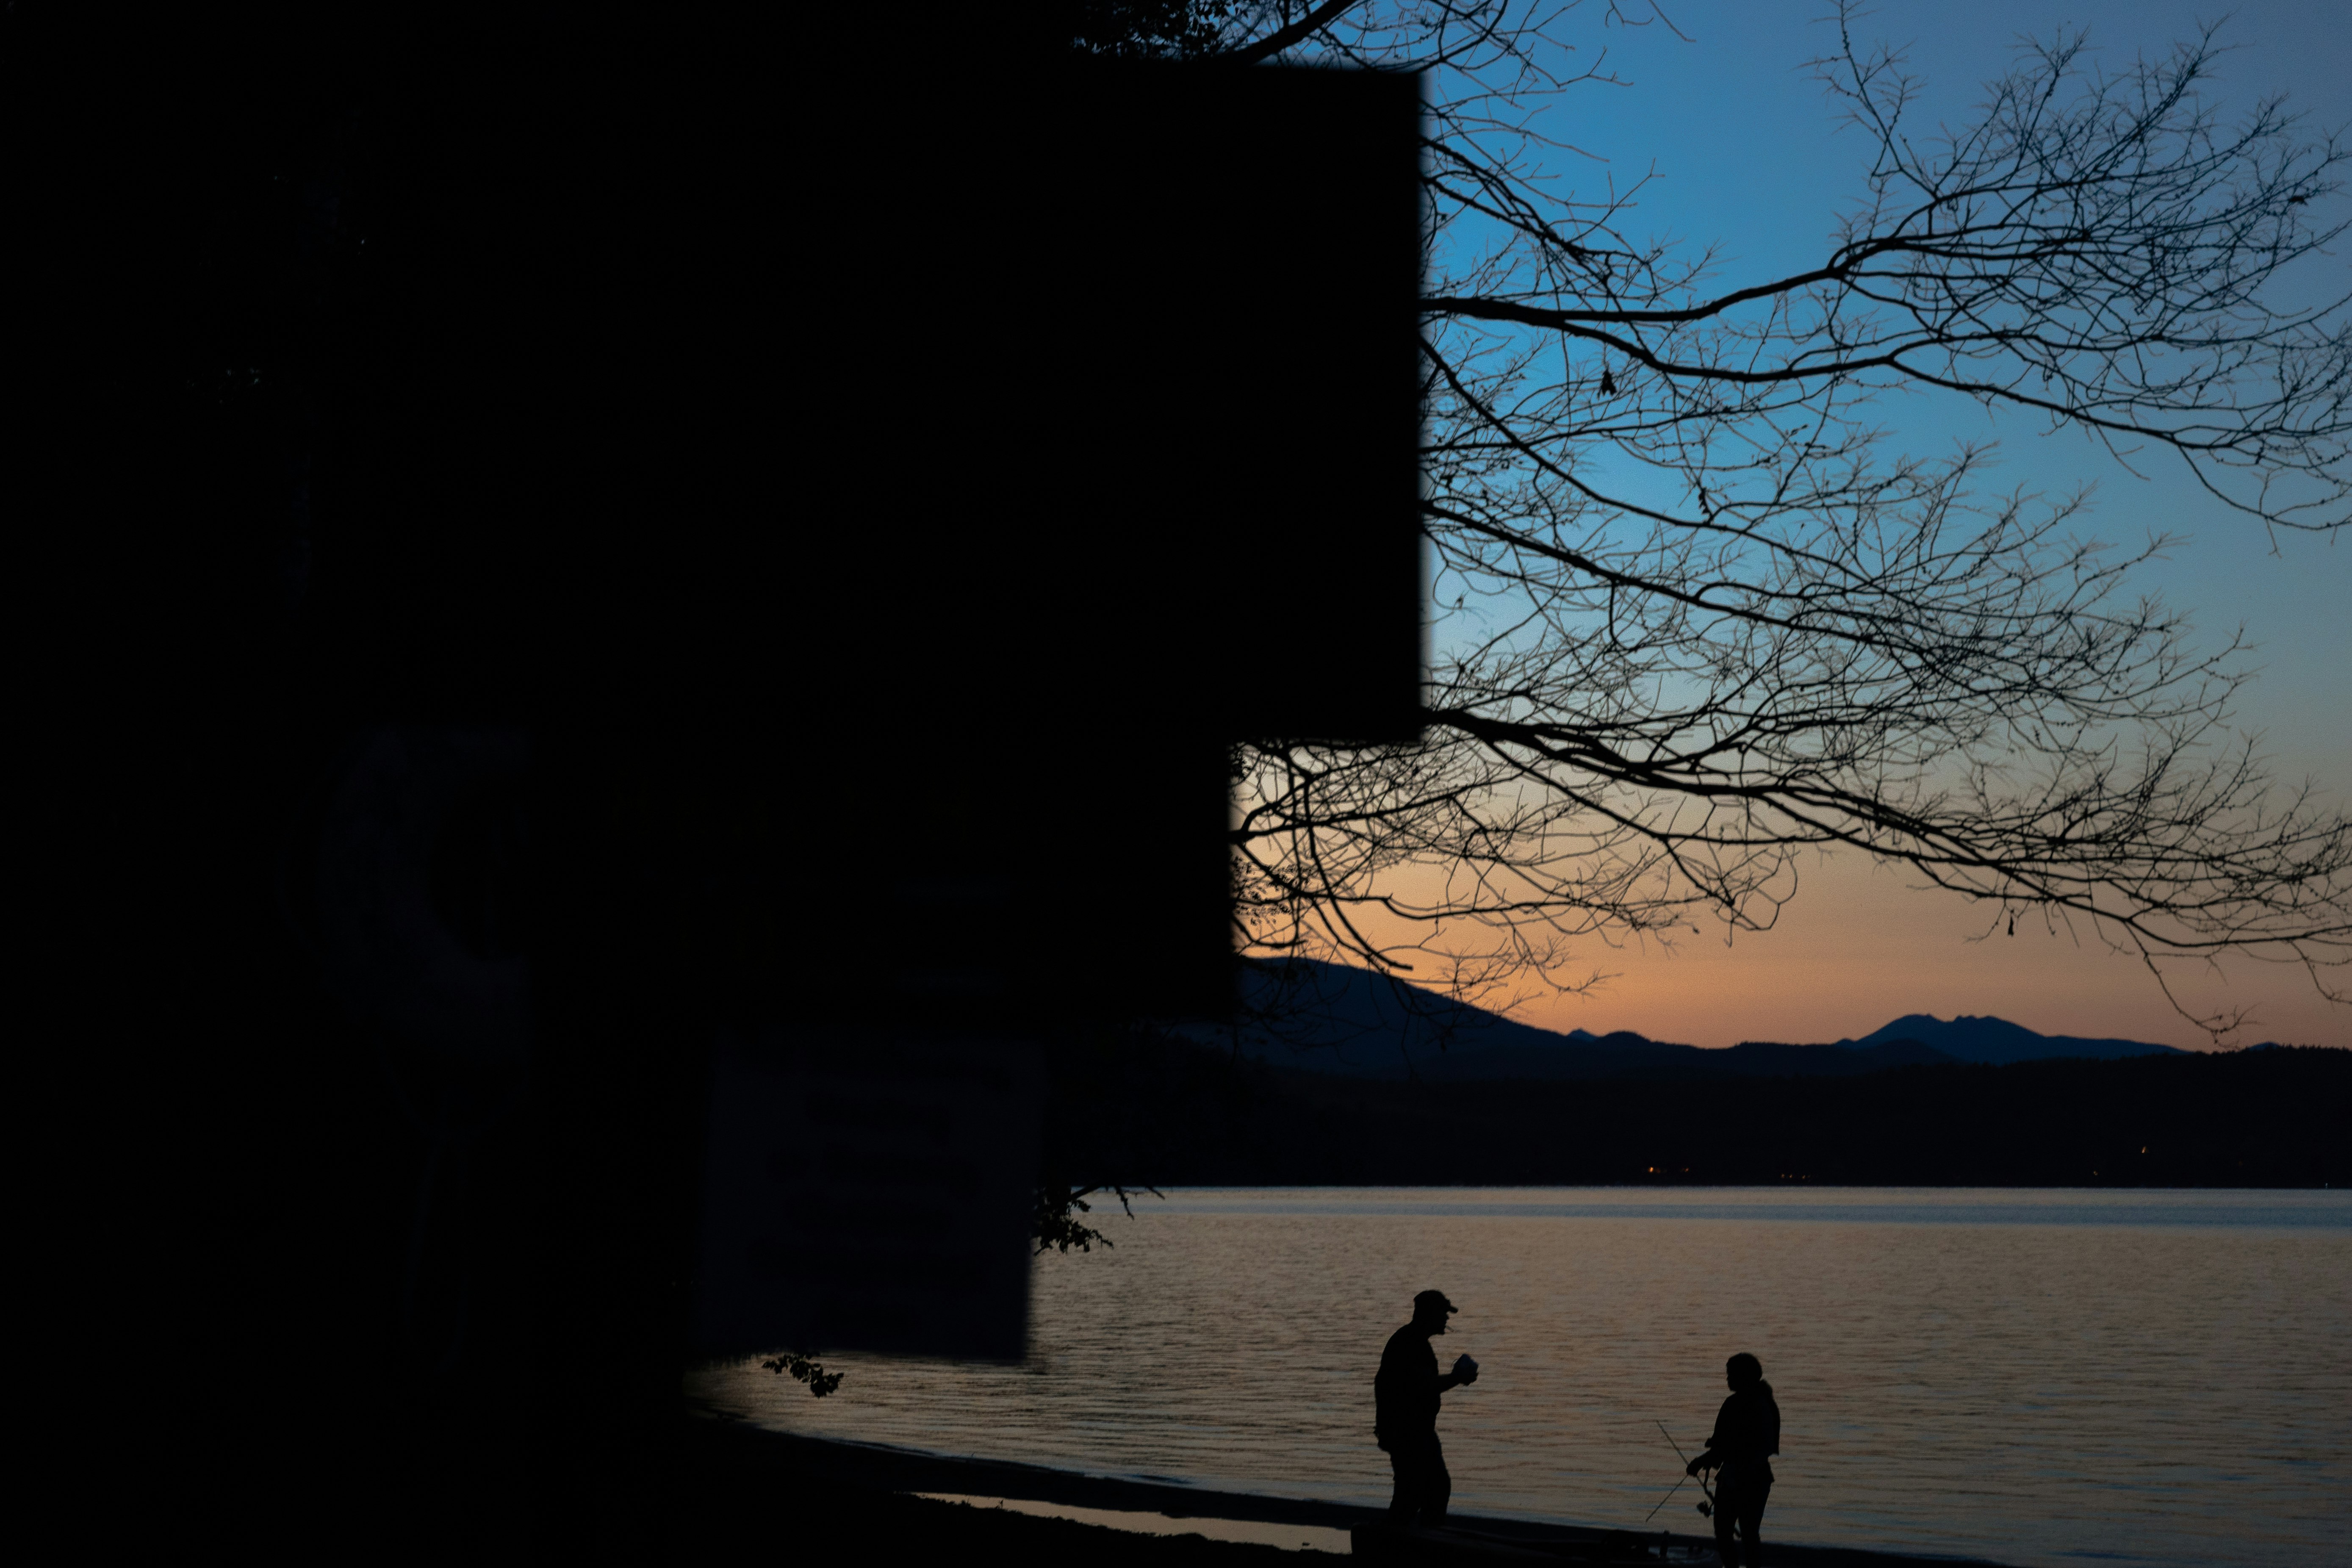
x=1741 y=147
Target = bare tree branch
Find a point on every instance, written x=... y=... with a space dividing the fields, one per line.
x=1282 y=38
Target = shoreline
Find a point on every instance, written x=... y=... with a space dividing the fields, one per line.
x=734 y=1444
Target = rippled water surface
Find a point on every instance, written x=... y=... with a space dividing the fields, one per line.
x=2033 y=1377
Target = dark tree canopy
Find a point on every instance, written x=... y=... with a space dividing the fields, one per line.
x=1703 y=615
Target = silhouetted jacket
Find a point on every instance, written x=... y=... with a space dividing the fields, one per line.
x=1747 y=1431
x=1404 y=1391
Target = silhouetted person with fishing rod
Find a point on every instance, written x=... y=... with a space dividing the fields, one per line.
x=1746 y=1434
x=1404 y=1406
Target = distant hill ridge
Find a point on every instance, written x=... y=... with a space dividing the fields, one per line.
x=1999 y=1040
x=1332 y=1018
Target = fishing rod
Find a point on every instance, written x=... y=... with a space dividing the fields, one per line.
x=1678 y=1485
x=1706 y=1509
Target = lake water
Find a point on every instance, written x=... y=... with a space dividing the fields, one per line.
x=2036 y=1377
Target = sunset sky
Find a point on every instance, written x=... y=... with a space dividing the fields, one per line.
x=1744 y=151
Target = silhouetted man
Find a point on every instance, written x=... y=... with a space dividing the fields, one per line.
x=1405 y=1402
x=1746 y=1434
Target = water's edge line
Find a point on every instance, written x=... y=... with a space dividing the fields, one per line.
x=888 y=1467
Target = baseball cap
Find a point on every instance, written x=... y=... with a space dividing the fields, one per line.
x=1433 y=1299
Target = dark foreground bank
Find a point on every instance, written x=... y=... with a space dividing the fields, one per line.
x=753 y=1495
x=1174 y=1114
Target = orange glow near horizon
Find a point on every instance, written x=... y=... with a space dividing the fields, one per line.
x=1860 y=947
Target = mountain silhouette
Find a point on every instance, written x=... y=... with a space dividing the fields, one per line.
x=1998 y=1040
x=1332 y=1018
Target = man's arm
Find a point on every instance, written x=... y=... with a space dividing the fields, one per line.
x=1717 y=1440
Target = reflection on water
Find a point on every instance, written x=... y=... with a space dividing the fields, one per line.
x=2033 y=1377
x=1287 y=1536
